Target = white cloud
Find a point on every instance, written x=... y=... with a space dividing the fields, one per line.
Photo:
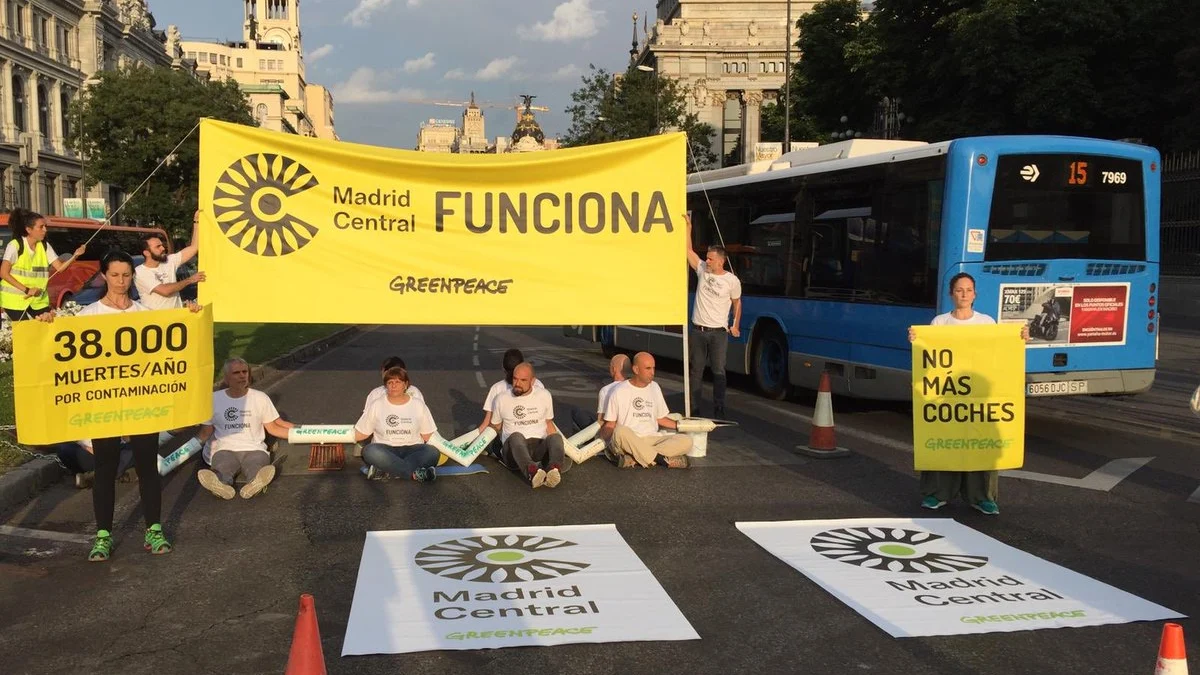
x=567 y=72
x=361 y=15
x=417 y=65
x=319 y=53
x=364 y=86
x=572 y=20
x=494 y=70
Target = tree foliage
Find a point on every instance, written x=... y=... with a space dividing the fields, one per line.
x=131 y=121
x=635 y=104
x=1107 y=68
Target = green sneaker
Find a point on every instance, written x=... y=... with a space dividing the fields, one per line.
x=156 y=543
x=102 y=547
x=987 y=507
x=932 y=503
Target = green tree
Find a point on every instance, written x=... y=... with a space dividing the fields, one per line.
x=131 y=121
x=635 y=104
x=827 y=81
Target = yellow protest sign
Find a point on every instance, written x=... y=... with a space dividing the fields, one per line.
x=112 y=374
x=299 y=229
x=968 y=398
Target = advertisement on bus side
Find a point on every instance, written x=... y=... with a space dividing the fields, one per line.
x=1065 y=314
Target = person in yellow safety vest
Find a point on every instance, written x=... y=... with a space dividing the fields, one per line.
x=24 y=273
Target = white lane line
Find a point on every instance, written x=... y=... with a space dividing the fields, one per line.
x=1103 y=479
x=44 y=534
x=475 y=360
x=1195 y=498
x=479 y=379
x=848 y=431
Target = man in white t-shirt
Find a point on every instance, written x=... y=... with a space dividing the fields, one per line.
x=717 y=291
x=242 y=417
x=155 y=279
x=617 y=366
x=530 y=443
x=635 y=412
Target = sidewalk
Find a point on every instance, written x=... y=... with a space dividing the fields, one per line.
x=1163 y=411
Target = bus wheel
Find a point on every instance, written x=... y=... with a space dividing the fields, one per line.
x=769 y=363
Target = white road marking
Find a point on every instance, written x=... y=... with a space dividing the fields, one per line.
x=44 y=534
x=479 y=379
x=475 y=360
x=848 y=431
x=1103 y=479
x=1195 y=498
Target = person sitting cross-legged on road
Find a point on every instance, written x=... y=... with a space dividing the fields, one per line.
x=242 y=418
x=636 y=411
x=618 y=366
x=530 y=442
x=401 y=426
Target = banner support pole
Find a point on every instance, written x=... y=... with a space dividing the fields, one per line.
x=687 y=389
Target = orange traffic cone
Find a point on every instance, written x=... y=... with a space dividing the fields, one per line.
x=306 y=657
x=821 y=441
x=1171 y=657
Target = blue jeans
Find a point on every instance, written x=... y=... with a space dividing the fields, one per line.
x=78 y=460
x=400 y=460
x=708 y=346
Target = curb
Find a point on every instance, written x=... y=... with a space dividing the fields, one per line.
x=22 y=483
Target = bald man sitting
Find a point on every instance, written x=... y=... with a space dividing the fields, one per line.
x=633 y=417
x=617 y=367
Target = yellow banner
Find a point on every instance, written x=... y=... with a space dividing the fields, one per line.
x=112 y=374
x=968 y=398
x=297 y=229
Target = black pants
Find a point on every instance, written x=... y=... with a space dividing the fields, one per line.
x=104 y=490
x=21 y=314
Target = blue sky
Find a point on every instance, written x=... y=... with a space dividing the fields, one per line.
x=377 y=54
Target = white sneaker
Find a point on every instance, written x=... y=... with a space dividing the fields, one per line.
x=261 y=479
x=553 y=477
x=208 y=478
x=538 y=479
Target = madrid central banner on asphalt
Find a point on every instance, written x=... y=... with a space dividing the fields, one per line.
x=297 y=229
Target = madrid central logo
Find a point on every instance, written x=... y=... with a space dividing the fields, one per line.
x=232 y=414
x=497 y=559
x=889 y=549
x=249 y=204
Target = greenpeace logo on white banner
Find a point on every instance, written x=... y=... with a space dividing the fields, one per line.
x=498 y=559
x=891 y=550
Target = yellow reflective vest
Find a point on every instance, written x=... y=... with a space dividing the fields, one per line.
x=32 y=270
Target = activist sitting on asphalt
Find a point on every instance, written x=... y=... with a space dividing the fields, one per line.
x=242 y=417
x=381 y=391
x=617 y=367
x=117 y=269
x=78 y=457
x=635 y=411
x=530 y=443
x=980 y=489
x=25 y=270
x=402 y=426
x=512 y=359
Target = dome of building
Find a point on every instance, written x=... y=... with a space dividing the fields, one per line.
x=527 y=126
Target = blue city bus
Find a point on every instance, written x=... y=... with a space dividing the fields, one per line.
x=841 y=247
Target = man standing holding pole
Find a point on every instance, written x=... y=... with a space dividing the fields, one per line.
x=717 y=291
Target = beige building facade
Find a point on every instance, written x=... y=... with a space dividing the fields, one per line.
x=48 y=50
x=730 y=55
x=437 y=136
x=268 y=65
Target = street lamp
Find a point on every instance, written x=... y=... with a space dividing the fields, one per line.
x=647 y=69
x=847 y=134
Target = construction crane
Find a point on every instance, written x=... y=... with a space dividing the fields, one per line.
x=526 y=105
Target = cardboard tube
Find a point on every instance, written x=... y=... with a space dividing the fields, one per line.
x=588 y=451
x=321 y=433
x=586 y=434
x=465 y=440
x=172 y=461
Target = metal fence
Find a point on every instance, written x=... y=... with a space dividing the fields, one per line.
x=1181 y=214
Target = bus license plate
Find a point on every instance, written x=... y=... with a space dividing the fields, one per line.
x=1056 y=388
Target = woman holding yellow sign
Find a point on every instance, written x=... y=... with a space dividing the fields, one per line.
x=117 y=269
x=979 y=488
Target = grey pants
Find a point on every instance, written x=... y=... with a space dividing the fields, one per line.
x=520 y=452
x=708 y=347
x=227 y=464
x=975 y=486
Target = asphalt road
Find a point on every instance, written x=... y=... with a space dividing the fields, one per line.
x=225 y=600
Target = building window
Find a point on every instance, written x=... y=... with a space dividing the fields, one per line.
x=212 y=58
x=16 y=18
x=18 y=94
x=260 y=113
x=262 y=64
x=21 y=188
x=43 y=108
x=69 y=188
x=48 y=202
x=43 y=34
x=64 y=110
x=191 y=55
x=239 y=62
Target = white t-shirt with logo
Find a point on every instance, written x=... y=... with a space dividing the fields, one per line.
x=715 y=294
x=605 y=392
x=381 y=392
x=97 y=308
x=502 y=387
x=948 y=319
x=637 y=408
x=147 y=279
x=396 y=425
x=527 y=414
x=238 y=423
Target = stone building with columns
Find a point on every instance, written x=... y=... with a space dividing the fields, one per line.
x=730 y=55
x=48 y=50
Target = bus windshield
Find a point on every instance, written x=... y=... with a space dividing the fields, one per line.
x=1048 y=206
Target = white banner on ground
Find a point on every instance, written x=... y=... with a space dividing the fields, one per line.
x=422 y=590
x=934 y=576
